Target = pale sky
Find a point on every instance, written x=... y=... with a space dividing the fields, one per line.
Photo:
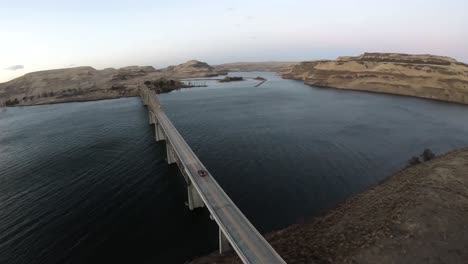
x=47 y=34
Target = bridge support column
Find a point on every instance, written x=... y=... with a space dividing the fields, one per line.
x=145 y=99
x=151 y=118
x=159 y=133
x=224 y=245
x=171 y=156
x=194 y=199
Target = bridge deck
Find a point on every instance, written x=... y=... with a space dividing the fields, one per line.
x=241 y=234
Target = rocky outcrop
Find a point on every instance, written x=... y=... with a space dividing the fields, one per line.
x=87 y=83
x=426 y=76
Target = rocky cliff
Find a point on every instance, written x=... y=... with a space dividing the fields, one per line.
x=426 y=76
x=87 y=83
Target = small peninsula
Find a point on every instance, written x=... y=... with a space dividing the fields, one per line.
x=231 y=79
x=425 y=76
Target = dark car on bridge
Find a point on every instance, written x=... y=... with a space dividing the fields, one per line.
x=202 y=173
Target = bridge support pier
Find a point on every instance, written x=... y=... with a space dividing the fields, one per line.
x=145 y=101
x=151 y=118
x=224 y=245
x=171 y=155
x=159 y=133
x=194 y=199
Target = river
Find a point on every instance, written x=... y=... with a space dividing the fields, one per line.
x=87 y=183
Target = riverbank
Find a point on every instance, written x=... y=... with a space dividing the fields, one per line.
x=418 y=215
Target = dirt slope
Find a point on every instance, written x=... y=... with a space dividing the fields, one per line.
x=417 y=216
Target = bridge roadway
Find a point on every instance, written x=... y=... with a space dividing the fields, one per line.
x=235 y=230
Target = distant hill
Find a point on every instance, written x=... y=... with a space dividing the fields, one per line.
x=87 y=83
x=192 y=69
x=426 y=76
x=266 y=66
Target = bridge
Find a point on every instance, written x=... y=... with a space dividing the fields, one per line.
x=235 y=230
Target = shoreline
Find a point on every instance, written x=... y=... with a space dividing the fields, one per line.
x=283 y=76
x=80 y=100
x=76 y=100
x=381 y=92
x=387 y=223
x=70 y=101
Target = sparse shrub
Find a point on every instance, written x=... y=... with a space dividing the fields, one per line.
x=414 y=161
x=427 y=155
x=12 y=102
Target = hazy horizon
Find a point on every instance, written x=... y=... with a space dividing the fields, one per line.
x=57 y=34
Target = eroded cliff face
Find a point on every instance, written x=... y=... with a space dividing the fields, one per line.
x=426 y=76
x=87 y=83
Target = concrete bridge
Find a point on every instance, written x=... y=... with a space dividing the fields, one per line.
x=235 y=230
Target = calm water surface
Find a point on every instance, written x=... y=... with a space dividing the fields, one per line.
x=87 y=183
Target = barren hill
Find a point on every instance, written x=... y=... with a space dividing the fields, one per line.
x=87 y=83
x=427 y=76
x=192 y=69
